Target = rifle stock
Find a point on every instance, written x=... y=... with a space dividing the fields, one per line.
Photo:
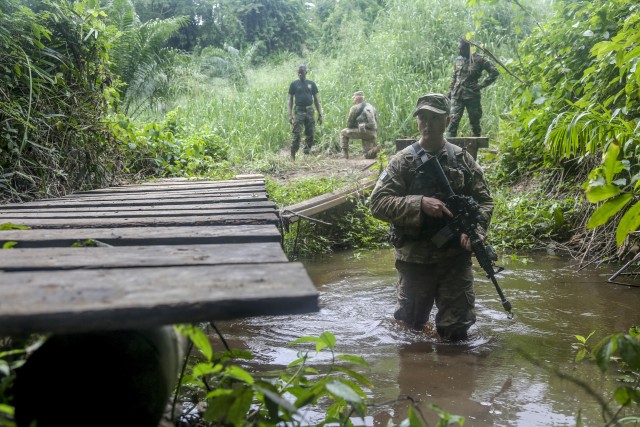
x=465 y=212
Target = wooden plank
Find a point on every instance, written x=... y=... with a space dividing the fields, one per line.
x=85 y=300
x=173 y=194
x=325 y=202
x=139 y=201
x=131 y=236
x=179 y=186
x=155 y=207
x=139 y=256
x=205 y=220
x=151 y=213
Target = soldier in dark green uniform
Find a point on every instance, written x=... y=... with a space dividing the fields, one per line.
x=305 y=94
x=464 y=91
x=406 y=199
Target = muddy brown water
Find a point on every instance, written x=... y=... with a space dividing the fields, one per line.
x=487 y=379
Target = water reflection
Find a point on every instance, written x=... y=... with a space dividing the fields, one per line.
x=487 y=379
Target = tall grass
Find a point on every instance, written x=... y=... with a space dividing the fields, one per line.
x=409 y=52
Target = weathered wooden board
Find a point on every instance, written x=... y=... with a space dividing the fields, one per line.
x=327 y=201
x=137 y=201
x=85 y=300
x=131 y=236
x=148 y=208
x=170 y=186
x=174 y=194
x=139 y=256
x=168 y=252
x=45 y=214
x=204 y=220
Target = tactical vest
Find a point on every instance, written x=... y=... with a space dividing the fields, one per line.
x=459 y=176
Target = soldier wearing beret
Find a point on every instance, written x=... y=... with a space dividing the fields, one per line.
x=362 y=123
x=429 y=274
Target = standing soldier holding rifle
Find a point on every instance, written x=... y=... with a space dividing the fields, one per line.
x=433 y=257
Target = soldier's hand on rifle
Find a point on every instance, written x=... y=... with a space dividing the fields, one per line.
x=434 y=207
x=465 y=241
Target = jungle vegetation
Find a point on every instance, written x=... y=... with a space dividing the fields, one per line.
x=95 y=93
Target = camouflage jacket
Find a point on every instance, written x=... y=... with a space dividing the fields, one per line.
x=466 y=75
x=397 y=200
x=367 y=116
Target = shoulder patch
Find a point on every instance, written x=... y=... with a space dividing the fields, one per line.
x=384 y=176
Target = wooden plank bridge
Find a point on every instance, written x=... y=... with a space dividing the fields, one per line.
x=140 y=256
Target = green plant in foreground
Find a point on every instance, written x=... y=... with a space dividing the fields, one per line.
x=236 y=397
x=623 y=350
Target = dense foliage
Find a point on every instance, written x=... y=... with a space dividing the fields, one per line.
x=235 y=397
x=54 y=99
x=581 y=101
x=619 y=353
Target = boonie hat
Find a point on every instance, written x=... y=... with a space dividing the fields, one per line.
x=435 y=102
x=358 y=93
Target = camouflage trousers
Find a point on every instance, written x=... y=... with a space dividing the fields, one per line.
x=304 y=118
x=368 y=137
x=474 y=111
x=448 y=283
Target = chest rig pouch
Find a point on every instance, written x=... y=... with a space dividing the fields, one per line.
x=459 y=177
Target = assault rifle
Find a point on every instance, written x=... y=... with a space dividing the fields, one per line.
x=466 y=215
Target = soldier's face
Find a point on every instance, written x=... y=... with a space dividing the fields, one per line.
x=302 y=73
x=431 y=123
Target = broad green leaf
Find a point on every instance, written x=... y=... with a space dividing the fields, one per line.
x=630 y=351
x=608 y=209
x=328 y=339
x=239 y=374
x=240 y=407
x=604 y=352
x=610 y=161
x=276 y=398
x=413 y=419
x=580 y=338
x=199 y=339
x=355 y=375
x=343 y=391
x=628 y=224
x=4 y=368
x=6 y=409
x=353 y=359
x=202 y=369
x=599 y=193
x=621 y=395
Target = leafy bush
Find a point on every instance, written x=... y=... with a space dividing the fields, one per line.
x=522 y=220
x=236 y=397
x=621 y=350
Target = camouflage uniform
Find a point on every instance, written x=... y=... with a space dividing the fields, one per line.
x=465 y=91
x=304 y=117
x=427 y=273
x=361 y=126
x=303 y=91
